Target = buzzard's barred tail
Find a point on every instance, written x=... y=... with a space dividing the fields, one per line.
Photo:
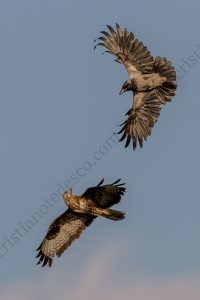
x=115 y=215
x=167 y=90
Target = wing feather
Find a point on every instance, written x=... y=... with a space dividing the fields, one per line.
x=105 y=195
x=141 y=119
x=168 y=88
x=61 y=233
x=129 y=50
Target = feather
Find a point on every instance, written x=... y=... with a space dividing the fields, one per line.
x=127 y=49
x=100 y=183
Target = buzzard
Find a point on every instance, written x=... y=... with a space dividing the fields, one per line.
x=82 y=210
x=152 y=81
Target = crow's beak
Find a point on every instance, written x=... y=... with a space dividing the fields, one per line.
x=122 y=91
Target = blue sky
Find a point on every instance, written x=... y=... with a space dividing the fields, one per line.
x=60 y=105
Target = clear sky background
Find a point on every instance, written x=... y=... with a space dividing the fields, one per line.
x=59 y=105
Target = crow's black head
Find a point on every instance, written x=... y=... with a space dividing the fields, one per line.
x=127 y=86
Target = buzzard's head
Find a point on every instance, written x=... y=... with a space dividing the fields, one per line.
x=127 y=86
x=67 y=194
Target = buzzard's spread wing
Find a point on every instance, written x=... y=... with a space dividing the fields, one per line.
x=105 y=195
x=165 y=69
x=129 y=50
x=61 y=233
x=141 y=118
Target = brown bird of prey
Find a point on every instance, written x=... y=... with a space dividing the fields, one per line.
x=152 y=81
x=82 y=210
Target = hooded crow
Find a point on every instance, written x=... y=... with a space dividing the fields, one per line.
x=152 y=81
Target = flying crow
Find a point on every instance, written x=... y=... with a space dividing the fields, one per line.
x=152 y=81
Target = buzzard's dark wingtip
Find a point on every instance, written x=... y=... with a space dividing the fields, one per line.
x=39 y=253
x=119 y=185
x=45 y=261
x=100 y=183
x=39 y=247
x=118 y=180
x=123 y=188
x=50 y=262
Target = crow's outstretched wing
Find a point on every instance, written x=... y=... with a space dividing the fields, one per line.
x=105 y=195
x=141 y=118
x=61 y=233
x=165 y=69
x=129 y=50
